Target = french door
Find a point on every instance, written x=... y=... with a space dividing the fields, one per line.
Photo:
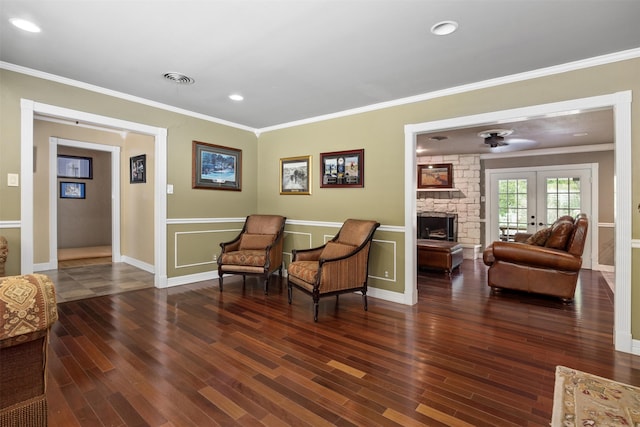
x=528 y=199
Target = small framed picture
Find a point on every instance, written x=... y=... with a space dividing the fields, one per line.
x=215 y=167
x=138 y=169
x=342 y=169
x=75 y=167
x=295 y=175
x=72 y=190
x=435 y=176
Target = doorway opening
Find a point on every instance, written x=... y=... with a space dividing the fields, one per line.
x=30 y=109
x=621 y=104
x=113 y=201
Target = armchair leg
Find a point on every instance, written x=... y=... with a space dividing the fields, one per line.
x=220 y=281
x=289 y=291
x=364 y=300
x=315 y=311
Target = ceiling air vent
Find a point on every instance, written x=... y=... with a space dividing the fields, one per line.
x=179 y=78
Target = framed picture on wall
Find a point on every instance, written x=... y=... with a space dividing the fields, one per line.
x=215 y=167
x=75 y=167
x=138 y=169
x=435 y=176
x=342 y=169
x=295 y=175
x=72 y=190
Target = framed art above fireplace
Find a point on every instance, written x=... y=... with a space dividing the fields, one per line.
x=435 y=176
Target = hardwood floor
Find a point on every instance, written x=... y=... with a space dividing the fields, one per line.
x=192 y=356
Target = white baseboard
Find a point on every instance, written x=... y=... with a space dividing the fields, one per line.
x=44 y=266
x=193 y=278
x=604 y=267
x=386 y=295
x=138 y=264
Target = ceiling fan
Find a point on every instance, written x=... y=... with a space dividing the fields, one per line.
x=495 y=137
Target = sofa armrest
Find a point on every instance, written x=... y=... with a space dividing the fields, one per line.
x=537 y=256
x=27 y=308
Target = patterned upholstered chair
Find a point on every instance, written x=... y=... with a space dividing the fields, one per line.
x=27 y=311
x=4 y=252
x=257 y=250
x=339 y=266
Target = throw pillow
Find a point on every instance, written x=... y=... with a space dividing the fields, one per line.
x=255 y=241
x=559 y=235
x=335 y=250
x=539 y=238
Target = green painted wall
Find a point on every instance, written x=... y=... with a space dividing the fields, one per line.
x=380 y=133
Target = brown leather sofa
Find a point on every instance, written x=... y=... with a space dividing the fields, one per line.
x=27 y=311
x=547 y=262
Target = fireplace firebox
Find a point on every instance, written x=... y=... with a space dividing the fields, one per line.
x=438 y=226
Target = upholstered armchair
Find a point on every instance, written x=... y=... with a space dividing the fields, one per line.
x=257 y=250
x=27 y=311
x=339 y=266
x=547 y=262
x=4 y=251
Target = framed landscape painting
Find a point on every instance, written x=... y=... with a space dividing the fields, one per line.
x=435 y=176
x=215 y=167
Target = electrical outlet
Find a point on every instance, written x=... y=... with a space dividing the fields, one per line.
x=215 y=258
x=386 y=274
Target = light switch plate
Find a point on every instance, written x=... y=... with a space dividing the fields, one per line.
x=13 y=180
x=169 y=188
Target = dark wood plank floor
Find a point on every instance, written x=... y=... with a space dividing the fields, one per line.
x=191 y=356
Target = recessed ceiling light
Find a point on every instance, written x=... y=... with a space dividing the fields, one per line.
x=25 y=25
x=179 y=78
x=444 y=28
x=236 y=97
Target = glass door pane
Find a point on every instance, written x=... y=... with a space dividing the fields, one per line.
x=515 y=198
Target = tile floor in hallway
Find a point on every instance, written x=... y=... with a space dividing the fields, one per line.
x=88 y=281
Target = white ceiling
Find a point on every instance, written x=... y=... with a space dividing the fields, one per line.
x=295 y=60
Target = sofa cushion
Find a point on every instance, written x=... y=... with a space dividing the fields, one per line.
x=539 y=238
x=560 y=233
x=336 y=250
x=255 y=241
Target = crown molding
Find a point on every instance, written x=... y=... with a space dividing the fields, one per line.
x=527 y=75
x=97 y=89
